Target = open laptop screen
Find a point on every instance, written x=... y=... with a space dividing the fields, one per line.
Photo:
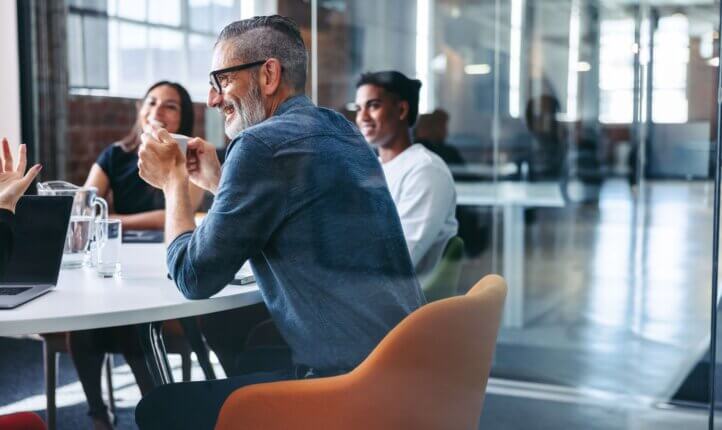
x=41 y=224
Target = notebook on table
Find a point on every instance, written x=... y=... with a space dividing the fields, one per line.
x=143 y=236
x=244 y=275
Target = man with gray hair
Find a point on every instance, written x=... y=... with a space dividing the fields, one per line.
x=302 y=197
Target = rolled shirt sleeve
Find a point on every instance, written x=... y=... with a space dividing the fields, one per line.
x=249 y=206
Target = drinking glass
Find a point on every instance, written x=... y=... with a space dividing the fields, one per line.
x=109 y=233
x=77 y=241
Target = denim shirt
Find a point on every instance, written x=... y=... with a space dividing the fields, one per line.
x=304 y=198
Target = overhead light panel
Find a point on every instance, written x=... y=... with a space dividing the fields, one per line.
x=477 y=69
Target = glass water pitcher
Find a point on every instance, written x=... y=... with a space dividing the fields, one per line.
x=87 y=207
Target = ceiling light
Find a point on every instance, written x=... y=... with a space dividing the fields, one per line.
x=583 y=66
x=477 y=69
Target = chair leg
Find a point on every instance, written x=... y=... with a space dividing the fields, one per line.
x=192 y=332
x=186 y=365
x=51 y=380
x=151 y=339
x=109 y=381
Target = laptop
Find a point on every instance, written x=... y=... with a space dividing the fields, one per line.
x=41 y=224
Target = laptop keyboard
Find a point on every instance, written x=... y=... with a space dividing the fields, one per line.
x=12 y=291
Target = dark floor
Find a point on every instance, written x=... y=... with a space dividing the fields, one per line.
x=513 y=413
x=22 y=386
x=617 y=300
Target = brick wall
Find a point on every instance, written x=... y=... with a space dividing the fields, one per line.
x=97 y=122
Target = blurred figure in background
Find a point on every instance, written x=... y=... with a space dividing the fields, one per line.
x=546 y=155
x=431 y=131
x=575 y=165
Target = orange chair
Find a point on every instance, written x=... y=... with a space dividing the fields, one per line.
x=429 y=372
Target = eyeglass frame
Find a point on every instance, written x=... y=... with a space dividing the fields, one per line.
x=213 y=75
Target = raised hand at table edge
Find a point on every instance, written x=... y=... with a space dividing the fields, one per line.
x=13 y=179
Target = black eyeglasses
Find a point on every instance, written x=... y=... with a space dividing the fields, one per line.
x=219 y=80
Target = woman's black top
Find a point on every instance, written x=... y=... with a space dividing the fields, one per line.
x=131 y=194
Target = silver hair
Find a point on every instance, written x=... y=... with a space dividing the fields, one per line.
x=264 y=37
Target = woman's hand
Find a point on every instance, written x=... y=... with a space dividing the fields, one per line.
x=14 y=181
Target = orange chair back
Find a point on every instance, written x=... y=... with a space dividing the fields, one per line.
x=435 y=364
x=429 y=372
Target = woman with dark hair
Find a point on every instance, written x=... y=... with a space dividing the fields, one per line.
x=115 y=173
x=139 y=206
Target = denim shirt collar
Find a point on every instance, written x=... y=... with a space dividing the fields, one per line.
x=299 y=100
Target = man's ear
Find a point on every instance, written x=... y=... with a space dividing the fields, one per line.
x=270 y=77
x=403 y=110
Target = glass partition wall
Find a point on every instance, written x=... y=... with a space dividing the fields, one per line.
x=588 y=127
x=581 y=137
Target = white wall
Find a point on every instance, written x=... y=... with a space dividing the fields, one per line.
x=9 y=74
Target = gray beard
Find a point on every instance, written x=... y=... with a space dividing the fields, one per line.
x=249 y=112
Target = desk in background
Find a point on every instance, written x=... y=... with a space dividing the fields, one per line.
x=513 y=197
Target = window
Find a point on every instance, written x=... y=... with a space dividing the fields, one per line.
x=515 y=44
x=671 y=55
x=669 y=72
x=616 y=74
x=120 y=47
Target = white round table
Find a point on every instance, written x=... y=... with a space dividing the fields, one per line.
x=143 y=295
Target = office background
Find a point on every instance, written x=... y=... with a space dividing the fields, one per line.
x=613 y=100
